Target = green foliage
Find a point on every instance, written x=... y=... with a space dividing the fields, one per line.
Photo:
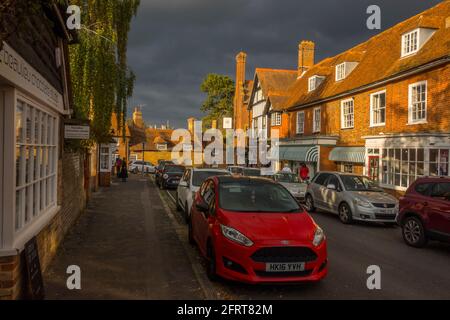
x=219 y=100
x=101 y=78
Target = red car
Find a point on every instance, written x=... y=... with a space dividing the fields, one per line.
x=425 y=211
x=252 y=230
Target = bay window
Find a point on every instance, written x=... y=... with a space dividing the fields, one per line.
x=36 y=155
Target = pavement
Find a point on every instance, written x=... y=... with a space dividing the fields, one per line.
x=126 y=247
x=132 y=244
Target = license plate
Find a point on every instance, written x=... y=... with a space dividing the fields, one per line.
x=285 y=267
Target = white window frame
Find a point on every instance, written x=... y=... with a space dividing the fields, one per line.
x=313 y=82
x=276 y=119
x=16 y=230
x=300 y=129
x=341 y=71
x=105 y=154
x=372 y=109
x=344 y=122
x=407 y=46
x=411 y=103
x=317 y=121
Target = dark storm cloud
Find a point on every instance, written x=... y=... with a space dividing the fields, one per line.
x=175 y=43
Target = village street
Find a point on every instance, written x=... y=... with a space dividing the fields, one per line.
x=132 y=244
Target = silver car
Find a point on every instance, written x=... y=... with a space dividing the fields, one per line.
x=291 y=182
x=352 y=197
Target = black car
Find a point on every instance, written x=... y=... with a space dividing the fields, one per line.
x=170 y=176
x=159 y=169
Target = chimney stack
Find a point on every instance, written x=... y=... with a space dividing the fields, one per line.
x=306 y=55
x=137 y=118
x=241 y=61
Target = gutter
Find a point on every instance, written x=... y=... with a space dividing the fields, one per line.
x=398 y=76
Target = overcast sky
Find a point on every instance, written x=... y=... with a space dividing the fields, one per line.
x=174 y=44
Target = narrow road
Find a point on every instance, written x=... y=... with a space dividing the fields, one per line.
x=406 y=273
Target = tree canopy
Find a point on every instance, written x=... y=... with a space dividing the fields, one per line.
x=219 y=101
x=101 y=78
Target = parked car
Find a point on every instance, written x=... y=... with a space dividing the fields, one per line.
x=160 y=168
x=236 y=170
x=425 y=211
x=137 y=165
x=252 y=230
x=189 y=185
x=291 y=182
x=170 y=176
x=352 y=197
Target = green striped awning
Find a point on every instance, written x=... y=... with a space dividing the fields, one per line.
x=348 y=154
x=299 y=153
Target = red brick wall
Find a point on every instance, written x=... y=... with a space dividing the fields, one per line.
x=438 y=110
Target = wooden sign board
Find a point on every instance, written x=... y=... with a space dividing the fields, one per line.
x=33 y=266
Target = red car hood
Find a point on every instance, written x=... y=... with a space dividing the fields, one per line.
x=272 y=226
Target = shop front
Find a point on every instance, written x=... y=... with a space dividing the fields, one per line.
x=31 y=109
x=396 y=161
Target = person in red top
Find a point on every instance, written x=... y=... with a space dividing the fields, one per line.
x=304 y=172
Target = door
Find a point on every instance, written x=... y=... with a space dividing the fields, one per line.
x=331 y=197
x=438 y=209
x=319 y=190
x=374 y=168
x=201 y=219
x=182 y=191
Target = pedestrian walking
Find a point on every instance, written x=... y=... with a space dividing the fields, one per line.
x=124 y=172
x=118 y=166
x=304 y=172
x=286 y=169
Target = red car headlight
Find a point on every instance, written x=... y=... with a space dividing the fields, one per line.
x=236 y=236
x=319 y=236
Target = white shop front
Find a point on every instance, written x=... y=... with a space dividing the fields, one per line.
x=398 y=160
x=30 y=111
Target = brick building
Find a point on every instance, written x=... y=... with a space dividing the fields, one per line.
x=380 y=108
x=43 y=187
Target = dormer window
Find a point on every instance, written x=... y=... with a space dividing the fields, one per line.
x=314 y=82
x=340 y=71
x=414 y=40
x=410 y=43
x=344 y=69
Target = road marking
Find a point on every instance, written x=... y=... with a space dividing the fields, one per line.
x=171 y=197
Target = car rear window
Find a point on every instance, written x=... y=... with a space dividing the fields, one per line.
x=200 y=176
x=257 y=197
x=174 y=169
x=252 y=172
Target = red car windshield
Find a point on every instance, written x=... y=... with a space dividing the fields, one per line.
x=256 y=196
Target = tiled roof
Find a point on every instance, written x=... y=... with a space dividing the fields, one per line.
x=275 y=81
x=378 y=58
x=154 y=137
x=247 y=90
